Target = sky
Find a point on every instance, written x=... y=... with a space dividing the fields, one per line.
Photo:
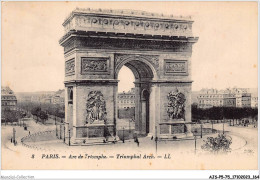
x=225 y=55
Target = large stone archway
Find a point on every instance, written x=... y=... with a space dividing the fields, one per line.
x=144 y=70
x=97 y=43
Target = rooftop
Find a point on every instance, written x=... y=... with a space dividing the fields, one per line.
x=5 y=90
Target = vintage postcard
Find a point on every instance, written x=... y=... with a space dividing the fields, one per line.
x=129 y=85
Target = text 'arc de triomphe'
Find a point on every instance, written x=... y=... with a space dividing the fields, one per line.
x=157 y=48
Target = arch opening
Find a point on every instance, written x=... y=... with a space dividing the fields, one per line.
x=143 y=74
x=126 y=104
x=141 y=68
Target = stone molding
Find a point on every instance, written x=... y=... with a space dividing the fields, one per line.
x=84 y=82
x=96 y=41
x=112 y=21
x=152 y=59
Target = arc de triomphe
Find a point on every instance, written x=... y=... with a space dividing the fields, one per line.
x=157 y=48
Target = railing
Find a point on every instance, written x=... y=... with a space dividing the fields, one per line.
x=33 y=137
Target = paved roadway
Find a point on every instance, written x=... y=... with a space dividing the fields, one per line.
x=244 y=145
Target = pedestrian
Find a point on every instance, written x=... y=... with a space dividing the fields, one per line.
x=29 y=132
x=11 y=140
x=114 y=141
x=137 y=141
x=156 y=138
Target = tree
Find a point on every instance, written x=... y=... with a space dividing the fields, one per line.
x=43 y=116
x=36 y=111
x=12 y=115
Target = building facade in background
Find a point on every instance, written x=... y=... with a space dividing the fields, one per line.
x=229 y=100
x=48 y=97
x=208 y=98
x=8 y=99
x=126 y=99
x=254 y=100
x=235 y=97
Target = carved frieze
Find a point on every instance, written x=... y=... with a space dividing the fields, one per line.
x=176 y=67
x=92 y=65
x=153 y=59
x=95 y=107
x=70 y=67
x=151 y=26
x=176 y=105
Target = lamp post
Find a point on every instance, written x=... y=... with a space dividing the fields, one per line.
x=64 y=133
x=56 y=130
x=69 y=137
x=223 y=127
x=201 y=130
x=60 y=131
x=123 y=135
x=212 y=126
x=223 y=119
x=129 y=126
x=156 y=138
x=14 y=135
x=195 y=138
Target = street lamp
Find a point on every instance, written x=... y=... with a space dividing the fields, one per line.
x=69 y=137
x=60 y=131
x=195 y=138
x=14 y=135
x=156 y=138
x=223 y=119
x=56 y=131
x=223 y=127
x=64 y=133
x=129 y=125
x=201 y=130
x=123 y=135
x=212 y=125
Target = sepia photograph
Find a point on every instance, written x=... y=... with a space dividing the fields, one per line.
x=129 y=85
